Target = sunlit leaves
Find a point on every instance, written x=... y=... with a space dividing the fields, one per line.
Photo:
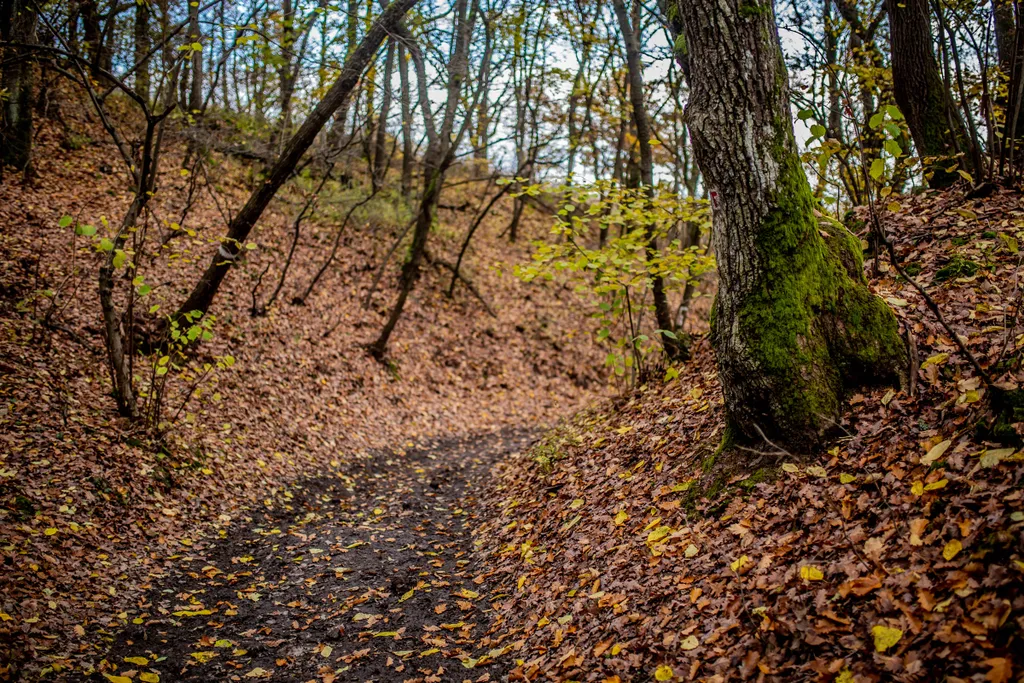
x=885 y=637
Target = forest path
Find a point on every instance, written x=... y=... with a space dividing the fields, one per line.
x=367 y=577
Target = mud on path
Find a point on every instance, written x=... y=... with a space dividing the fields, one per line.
x=367 y=577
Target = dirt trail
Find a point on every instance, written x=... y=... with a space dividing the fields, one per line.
x=367 y=577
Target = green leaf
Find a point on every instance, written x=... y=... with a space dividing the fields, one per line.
x=894 y=112
x=85 y=230
x=876 y=120
x=804 y=114
x=64 y=221
x=105 y=244
x=877 y=169
x=893 y=148
x=818 y=130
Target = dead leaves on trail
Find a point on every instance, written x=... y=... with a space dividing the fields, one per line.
x=628 y=554
x=367 y=577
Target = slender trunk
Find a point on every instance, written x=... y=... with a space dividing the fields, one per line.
x=407 y=149
x=935 y=125
x=195 y=98
x=142 y=45
x=675 y=348
x=17 y=82
x=380 y=154
x=231 y=247
x=794 y=323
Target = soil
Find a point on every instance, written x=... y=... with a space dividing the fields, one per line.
x=360 y=574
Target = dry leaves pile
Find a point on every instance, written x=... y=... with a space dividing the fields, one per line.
x=90 y=511
x=624 y=551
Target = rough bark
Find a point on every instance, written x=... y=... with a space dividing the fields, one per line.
x=406 y=103
x=794 y=323
x=17 y=80
x=206 y=289
x=920 y=92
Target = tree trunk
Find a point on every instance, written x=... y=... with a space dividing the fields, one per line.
x=675 y=348
x=920 y=92
x=195 y=98
x=142 y=46
x=407 y=148
x=380 y=153
x=202 y=295
x=794 y=323
x=17 y=81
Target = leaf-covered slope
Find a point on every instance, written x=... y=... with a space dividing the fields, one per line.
x=627 y=553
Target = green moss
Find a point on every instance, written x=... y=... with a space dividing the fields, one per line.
x=813 y=327
x=958 y=266
x=761 y=475
x=749 y=9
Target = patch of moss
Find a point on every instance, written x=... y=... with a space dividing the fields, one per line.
x=957 y=267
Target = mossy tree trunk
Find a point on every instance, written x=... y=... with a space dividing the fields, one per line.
x=794 y=323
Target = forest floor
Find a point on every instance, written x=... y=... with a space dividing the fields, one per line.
x=367 y=574
x=93 y=512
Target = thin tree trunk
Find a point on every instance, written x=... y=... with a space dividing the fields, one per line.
x=380 y=154
x=142 y=45
x=227 y=253
x=675 y=348
x=935 y=125
x=406 y=101
x=17 y=81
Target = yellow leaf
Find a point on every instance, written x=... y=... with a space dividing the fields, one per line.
x=885 y=637
x=620 y=518
x=917 y=488
x=845 y=478
x=51 y=531
x=689 y=643
x=408 y=594
x=817 y=471
x=740 y=563
x=663 y=673
x=690 y=551
x=223 y=643
x=658 y=534
x=952 y=549
x=936 y=485
x=326 y=651
x=845 y=676
x=4 y=616
x=140 y=661
x=790 y=467
x=937 y=359
x=204 y=656
x=811 y=573
x=935 y=452
x=576 y=504
x=117 y=679
x=148 y=677
x=468 y=594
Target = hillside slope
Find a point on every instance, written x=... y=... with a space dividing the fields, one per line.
x=91 y=509
x=626 y=550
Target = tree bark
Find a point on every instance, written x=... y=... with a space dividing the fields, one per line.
x=195 y=98
x=142 y=45
x=920 y=92
x=380 y=152
x=206 y=289
x=794 y=323
x=17 y=80
x=675 y=348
